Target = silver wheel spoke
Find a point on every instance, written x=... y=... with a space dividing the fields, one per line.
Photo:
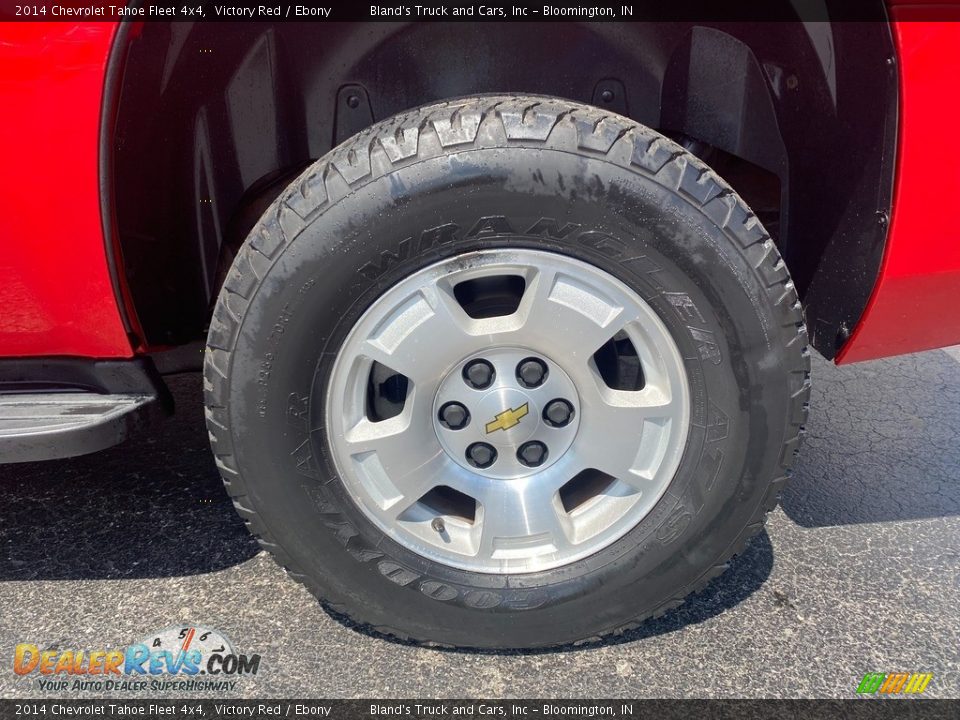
x=422 y=337
x=400 y=458
x=559 y=311
x=614 y=424
x=433 y=473
x=521 y=519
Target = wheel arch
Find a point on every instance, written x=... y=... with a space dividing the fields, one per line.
x=213 y=120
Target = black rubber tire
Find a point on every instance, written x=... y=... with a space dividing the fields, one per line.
x=491 y=172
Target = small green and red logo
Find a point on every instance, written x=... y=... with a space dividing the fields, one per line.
x=894 y=683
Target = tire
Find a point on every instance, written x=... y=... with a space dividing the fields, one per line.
x=436 y=189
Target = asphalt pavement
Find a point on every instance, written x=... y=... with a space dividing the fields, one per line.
x=858 y=571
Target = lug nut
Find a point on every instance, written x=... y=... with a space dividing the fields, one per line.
x=558 y=413
x=532 y=454
x=481 y=455
x=478 y=374
x=455 y=416
x=531 y=372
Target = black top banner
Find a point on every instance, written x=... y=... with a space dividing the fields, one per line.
x=466 y=11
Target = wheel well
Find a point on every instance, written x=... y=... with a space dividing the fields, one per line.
x=214 y=119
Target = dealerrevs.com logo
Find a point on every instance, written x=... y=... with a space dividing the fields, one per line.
x=176 y=658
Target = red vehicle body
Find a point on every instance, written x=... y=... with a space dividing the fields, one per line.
x=56 y=290
x=55 y=283
x=914 y=302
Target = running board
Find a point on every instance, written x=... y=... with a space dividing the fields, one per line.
x=44 y=426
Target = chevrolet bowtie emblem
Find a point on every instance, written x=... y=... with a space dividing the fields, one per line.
x=508 y=418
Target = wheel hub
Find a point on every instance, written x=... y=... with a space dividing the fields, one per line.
x=508 y=413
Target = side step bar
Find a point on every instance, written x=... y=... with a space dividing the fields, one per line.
x=61 y=407
x=44 y=426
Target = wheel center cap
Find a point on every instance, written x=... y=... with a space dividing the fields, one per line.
x=509 y=431
x=507 y=417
